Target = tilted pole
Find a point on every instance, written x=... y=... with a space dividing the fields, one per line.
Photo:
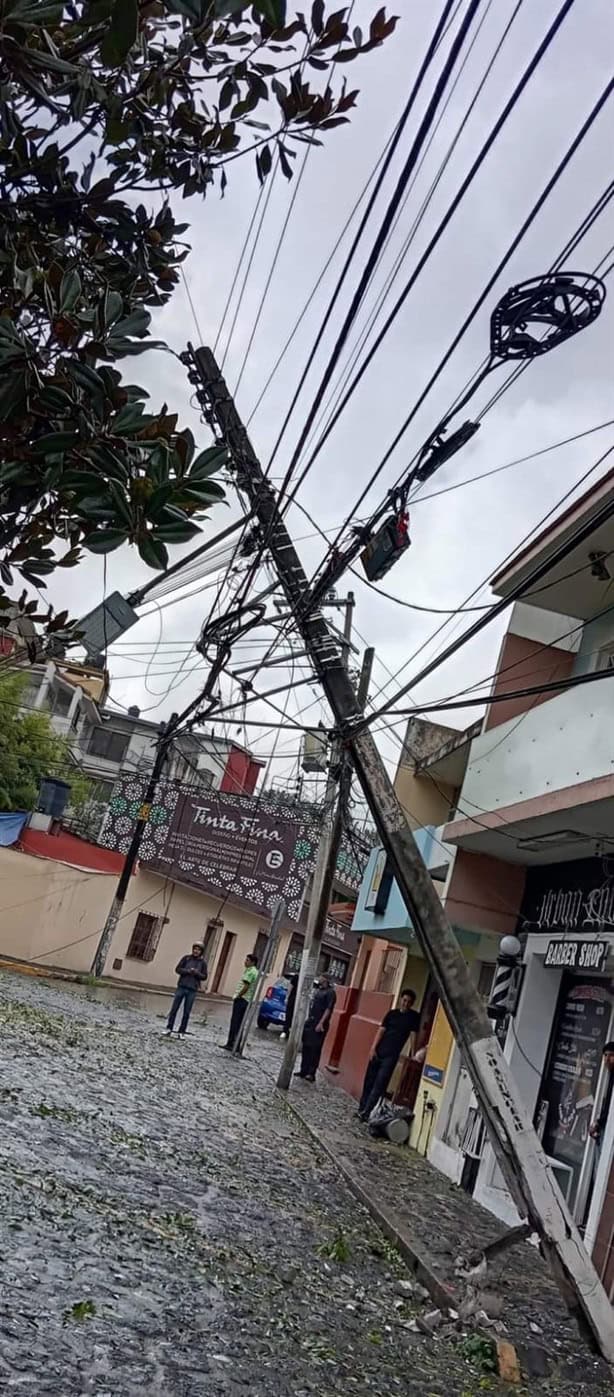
x=516 y=1146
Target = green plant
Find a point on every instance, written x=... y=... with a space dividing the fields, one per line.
x=103 y=102
x=81 y=1310
x=480 y=1351
x=338 y=1250
x=29 y=750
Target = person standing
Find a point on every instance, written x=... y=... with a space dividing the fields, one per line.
x=192 y=972
x=397 y=1027
x=596 y=1130
x=316 y=1027
x=245 y=992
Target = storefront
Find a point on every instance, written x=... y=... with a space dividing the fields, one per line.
x=555 y=1041
x=339 y=950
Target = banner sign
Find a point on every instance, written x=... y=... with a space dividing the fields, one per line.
x=576 y=955
x=569 y=897
x=250 y=849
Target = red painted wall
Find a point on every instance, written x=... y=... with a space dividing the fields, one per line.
x=523 y=662
x=240 y=774
x=358 y=1030
x=66 y=848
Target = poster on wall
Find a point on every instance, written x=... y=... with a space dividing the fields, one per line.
x=570 y=1083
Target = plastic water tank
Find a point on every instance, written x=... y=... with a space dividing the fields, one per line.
x=53 y=796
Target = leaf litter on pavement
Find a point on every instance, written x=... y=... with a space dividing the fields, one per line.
x=167 y=1227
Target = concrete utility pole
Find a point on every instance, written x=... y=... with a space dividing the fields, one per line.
x=518 y=1151
x=266 y=965
x=115 y=910
x=335 y=818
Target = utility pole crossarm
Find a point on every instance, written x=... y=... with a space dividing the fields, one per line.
x=518 y=1151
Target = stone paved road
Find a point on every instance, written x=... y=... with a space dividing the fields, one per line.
x=168 y=1227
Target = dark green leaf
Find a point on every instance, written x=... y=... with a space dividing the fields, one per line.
x=176 y=533
x=159 y=499
x=122 y=33
x=70 y=291
x=208 y=462
x=112 y=308
x=135 y=324
x=153 y=552
x=83 y=482
x=105 y=540
x=54 y=443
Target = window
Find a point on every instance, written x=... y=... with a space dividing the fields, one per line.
x=292 y=963
x=110 y=745
x=390 y=970
x=145 y=938
x=61 y=700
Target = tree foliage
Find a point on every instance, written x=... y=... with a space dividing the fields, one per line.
x=102 y=102
x=30 y=749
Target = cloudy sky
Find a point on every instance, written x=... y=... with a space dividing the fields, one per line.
x=459 y=537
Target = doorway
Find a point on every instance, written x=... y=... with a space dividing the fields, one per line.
x=225 y=954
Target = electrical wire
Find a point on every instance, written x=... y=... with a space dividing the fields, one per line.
x=465 y=184
x=400 y=259
x=386 y=223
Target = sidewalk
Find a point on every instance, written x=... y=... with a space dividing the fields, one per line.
x=442 y=1223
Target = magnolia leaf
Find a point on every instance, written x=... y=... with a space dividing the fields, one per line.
x=105 y=540
x=152 y=552
x=70 y=291
x=122 y=33
x=207 y=463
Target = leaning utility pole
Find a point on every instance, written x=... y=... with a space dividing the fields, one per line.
x=335 y=820
x=517 y=1149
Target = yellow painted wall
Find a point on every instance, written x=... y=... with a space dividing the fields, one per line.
x=52 y=913
x=438 y=1054
x=424 y=802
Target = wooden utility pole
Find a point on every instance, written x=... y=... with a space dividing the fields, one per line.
x=517 y=1148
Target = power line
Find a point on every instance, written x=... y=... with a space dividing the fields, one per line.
x=409 y=239
x=381 y=237
x=467 y=181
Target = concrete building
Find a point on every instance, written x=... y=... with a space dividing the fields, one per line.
x=55 y=892
x=533 y=835
x=105 y=743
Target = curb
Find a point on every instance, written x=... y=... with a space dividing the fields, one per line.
x=387 y=1222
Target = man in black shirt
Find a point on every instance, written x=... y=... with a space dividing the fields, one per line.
x=398 y=1025
x=316 y=1028
x=192 y=972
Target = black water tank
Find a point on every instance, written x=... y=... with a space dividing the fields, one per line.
x=53 y=796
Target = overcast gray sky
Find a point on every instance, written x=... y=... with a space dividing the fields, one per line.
x=458 y=538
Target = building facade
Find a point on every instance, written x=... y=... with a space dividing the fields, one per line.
x=533 y=842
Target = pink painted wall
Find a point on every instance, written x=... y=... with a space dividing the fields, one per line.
x=484 y=894
x=359 y=1029
x=523 y=662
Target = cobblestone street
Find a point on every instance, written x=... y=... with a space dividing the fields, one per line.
x=169 y=1227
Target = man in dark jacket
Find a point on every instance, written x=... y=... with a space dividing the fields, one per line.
x=316 y=1027
x=398 y=1025
x=192 y=972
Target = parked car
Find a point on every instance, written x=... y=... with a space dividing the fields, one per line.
x=272 y=1009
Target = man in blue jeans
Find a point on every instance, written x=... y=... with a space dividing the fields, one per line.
x=192 y=972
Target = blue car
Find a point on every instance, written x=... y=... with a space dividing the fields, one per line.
x=272 y=1009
